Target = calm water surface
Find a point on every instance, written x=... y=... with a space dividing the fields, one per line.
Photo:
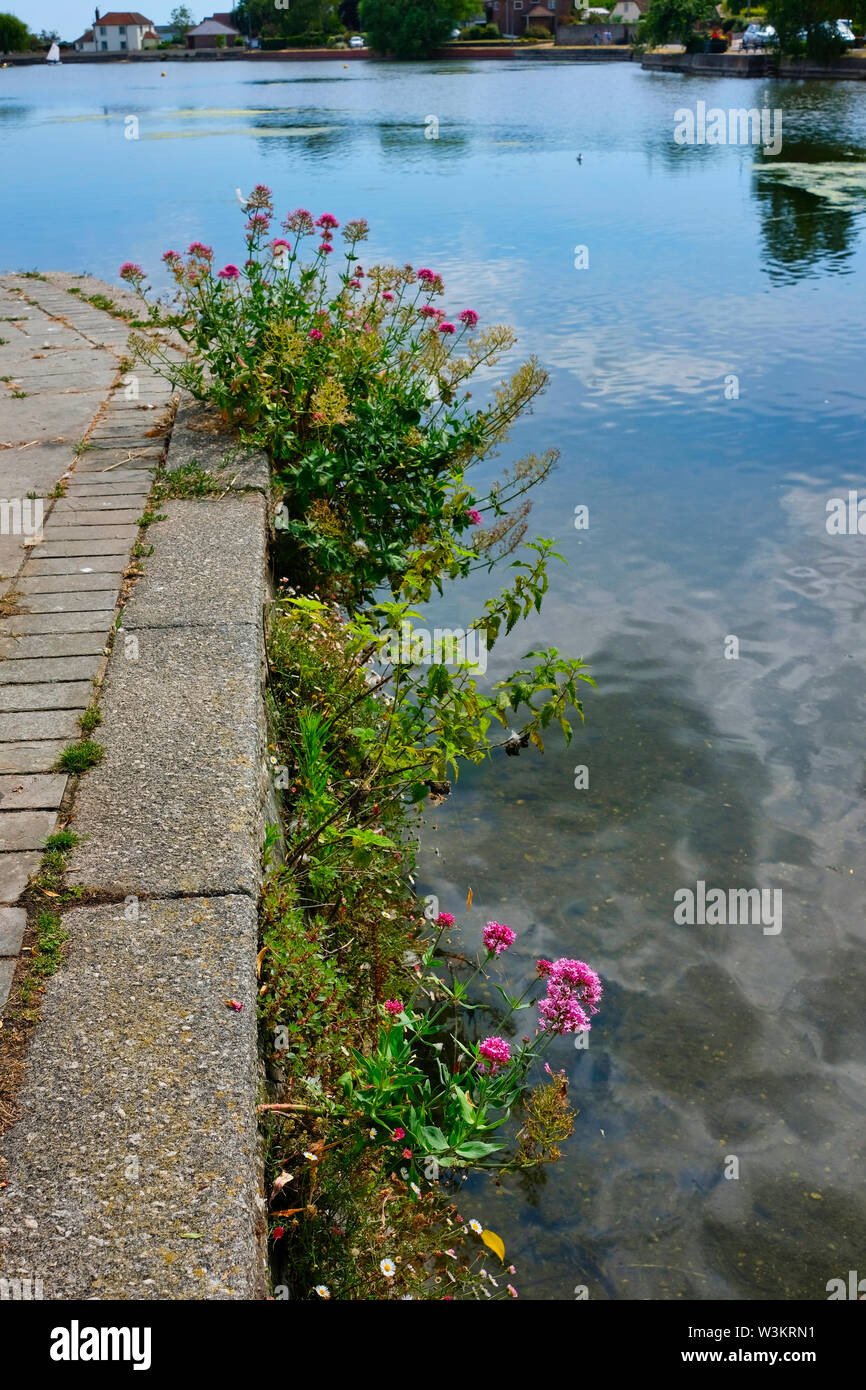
x=707 y=518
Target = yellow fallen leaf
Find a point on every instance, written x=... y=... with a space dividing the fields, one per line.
x=469 y=900
x=494 y=1243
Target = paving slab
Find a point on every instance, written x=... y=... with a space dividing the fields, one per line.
x=7 y=975
x=115 y=531
x=50 y=644
x=15 y=870
x=42 y=792
x=69 y=550
x=199 y=436
x=36 y=756
x=49 y=695
x=84 y=509
x=28 y=583
x=61 y=668
x=149 y=1077
x=80 y=601
x=33 y=468
x=75 y=564
x=174 y=805
x=104 y=479
x=205 y=553
x=25 y=830
x=39 y=724
x=46 y=414
x=24 y=624
x=13 y=924
x=111 y=517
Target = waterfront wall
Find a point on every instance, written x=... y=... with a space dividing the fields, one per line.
x=568 y=35
x=848 y=68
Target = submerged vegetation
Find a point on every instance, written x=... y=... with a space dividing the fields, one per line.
x=383 y=1091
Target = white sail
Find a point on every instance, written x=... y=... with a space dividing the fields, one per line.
x=53 y=54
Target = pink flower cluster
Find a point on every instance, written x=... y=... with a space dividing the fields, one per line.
x=445 y=919
x=393 y=1006
x=497 y=938
x=573 y=993
x=496 y=1052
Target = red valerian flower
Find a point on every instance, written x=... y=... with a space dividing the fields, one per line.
x=495 y=1051
x=497 y=938
x=229 y=272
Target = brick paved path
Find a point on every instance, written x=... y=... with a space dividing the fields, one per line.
x=71 y=413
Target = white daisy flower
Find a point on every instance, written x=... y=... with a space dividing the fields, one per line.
x=388 y=1268
x=476 y=1227
x=323 y=1291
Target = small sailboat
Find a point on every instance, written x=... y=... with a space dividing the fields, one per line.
x=53 y=55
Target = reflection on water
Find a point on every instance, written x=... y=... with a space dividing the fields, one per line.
x=810 y=201
x=707 y=519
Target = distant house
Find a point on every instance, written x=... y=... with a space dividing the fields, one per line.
x=206 y=34
x=120 y=31
x=629 y=11
x=515 y=16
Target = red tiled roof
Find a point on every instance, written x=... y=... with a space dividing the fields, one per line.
x=86 y=38
x=117 y=17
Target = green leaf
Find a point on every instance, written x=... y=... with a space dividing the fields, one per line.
x=476 y=1148
x=467 y=1109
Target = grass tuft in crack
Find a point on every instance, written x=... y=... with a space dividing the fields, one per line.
x=79 y=757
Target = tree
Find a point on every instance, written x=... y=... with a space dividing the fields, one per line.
x=666 y=20
x=411 y=28
x=181 y=20
x=264 y=19
x=14 y=34
x=814 y=19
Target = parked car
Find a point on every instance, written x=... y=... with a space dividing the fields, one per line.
x=356 y=41
x=842 y=27
x=759 y=36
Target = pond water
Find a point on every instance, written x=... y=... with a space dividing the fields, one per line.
x=707 y=509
